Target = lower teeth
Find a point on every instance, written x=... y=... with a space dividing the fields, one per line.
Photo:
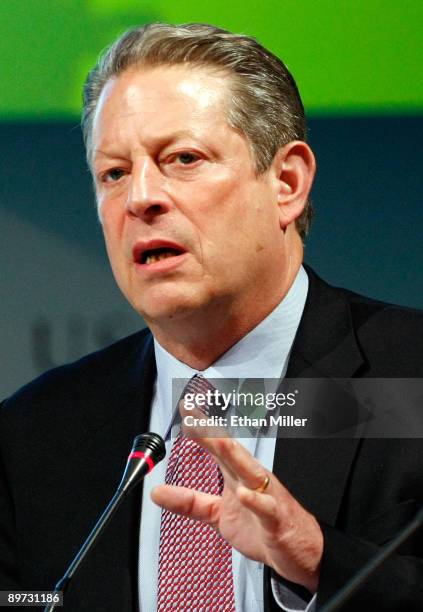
x=153 y=258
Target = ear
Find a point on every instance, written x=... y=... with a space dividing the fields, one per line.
x=294 y=168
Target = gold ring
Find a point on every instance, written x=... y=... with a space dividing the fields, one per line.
x=261 y=488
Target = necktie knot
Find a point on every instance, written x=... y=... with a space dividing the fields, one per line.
x=201 y=387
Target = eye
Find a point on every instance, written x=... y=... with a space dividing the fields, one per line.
x=112 y=175
x=186 y=158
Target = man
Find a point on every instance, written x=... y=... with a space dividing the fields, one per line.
x=196 y=141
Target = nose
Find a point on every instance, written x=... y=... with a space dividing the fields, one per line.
x=147 y=196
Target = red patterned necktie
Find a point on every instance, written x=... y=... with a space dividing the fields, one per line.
x=195 y=562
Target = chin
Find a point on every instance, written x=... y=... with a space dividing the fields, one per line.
x=164 y=307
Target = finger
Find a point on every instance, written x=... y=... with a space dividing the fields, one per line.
x=266 y=507
x=207 y=436
x=236 y=459
x=188 y=502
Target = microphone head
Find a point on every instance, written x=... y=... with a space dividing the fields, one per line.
x=150 y=443
x=147 y=450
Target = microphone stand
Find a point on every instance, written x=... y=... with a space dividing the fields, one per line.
x=147 y=450
x=348 y=590
x=87 y=545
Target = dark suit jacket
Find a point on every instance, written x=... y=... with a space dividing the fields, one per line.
x=65 y=438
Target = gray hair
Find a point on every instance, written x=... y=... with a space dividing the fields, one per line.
x=264 y=103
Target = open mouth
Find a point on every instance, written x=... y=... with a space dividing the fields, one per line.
x=150 y=256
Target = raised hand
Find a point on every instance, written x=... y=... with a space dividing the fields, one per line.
x=267 y=525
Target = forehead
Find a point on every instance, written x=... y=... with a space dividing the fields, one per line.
x=162 y=98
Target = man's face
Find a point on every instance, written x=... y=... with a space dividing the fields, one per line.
x=188 y=224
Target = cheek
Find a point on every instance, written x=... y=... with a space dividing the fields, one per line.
x=228 y=223
x=213 y=195
x=112 y=226
x=101 y=205
x=111 y=220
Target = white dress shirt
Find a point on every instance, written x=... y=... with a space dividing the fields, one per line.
x=262 y=353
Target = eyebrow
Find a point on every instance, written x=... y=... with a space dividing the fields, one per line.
x=96 y=152
x=159 y=142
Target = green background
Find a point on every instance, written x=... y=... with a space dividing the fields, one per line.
x=349 y=57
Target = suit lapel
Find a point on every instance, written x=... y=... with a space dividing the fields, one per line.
x=122 y=380
x=316 y=470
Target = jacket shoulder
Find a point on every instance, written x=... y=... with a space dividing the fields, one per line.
x=389 y=336
x=118 y=362
x=344 y=325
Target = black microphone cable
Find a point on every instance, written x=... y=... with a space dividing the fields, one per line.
x=355 y=583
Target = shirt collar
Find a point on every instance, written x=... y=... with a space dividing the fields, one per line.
x=263 y=352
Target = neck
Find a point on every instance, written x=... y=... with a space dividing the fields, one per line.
x=199 y=338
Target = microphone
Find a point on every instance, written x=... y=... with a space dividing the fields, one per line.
x=148 y=449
